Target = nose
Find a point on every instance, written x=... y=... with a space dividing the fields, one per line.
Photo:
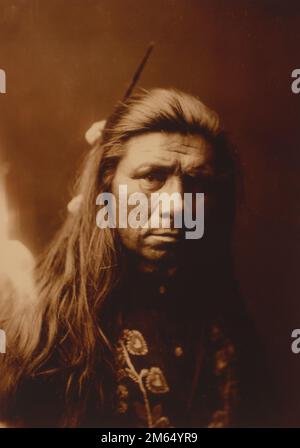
x=174 y=188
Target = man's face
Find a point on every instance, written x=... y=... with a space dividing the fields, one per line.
x=161 y=163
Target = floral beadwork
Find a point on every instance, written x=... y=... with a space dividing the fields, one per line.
x=122 y=391
x=132 y=342
x=222 y=381
x=156 y=382
x=225 y=374
x=135 y=342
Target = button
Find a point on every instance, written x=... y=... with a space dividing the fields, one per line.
x=162 y=289
x=178 y=351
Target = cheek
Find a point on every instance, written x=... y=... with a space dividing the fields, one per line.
x=131 y=238
x=122 y=178
x=121 y=198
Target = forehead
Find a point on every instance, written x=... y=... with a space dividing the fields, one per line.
x=188 y=151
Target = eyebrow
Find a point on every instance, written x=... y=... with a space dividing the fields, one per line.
x=205 y=170
x=170 y=168
x=154 y=165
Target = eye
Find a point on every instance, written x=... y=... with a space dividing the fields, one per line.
x=150 y=177
x=153 y=181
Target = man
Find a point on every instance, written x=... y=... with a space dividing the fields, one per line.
x=139 y=326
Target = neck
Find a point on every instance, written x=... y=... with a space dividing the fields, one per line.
x=161 y=270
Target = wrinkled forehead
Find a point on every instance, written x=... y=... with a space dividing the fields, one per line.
x=168 y=149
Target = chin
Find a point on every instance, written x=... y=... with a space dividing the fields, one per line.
x=158 y=254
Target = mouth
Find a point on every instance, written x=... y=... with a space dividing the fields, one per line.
x=168 y=237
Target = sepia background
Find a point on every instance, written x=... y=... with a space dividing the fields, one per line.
x=68 y=61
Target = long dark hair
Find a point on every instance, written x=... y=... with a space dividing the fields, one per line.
x=59 y=339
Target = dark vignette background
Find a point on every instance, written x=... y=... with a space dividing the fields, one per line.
x=67 y=63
